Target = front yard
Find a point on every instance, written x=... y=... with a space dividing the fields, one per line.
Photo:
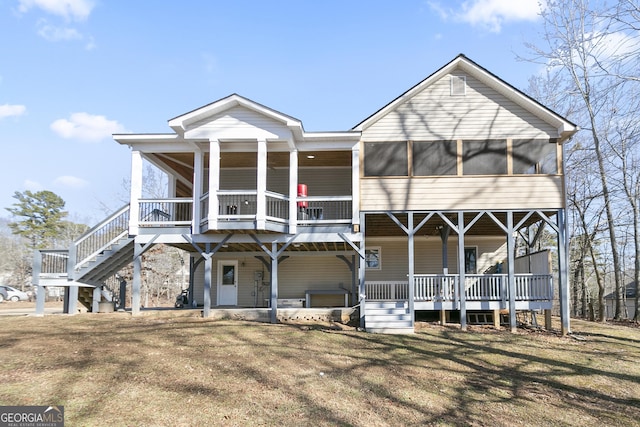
x=113 y=369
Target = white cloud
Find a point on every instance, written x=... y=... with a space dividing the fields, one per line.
x=55 y=34
x=75 y=10
x=86 y=127
x=491 y=14
x=70 y=181
x=8 y=110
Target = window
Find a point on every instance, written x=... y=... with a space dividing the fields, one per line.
x=372 y=258
x=470 y=260
x=385 y=159
x=458 y=85
x=534 y=156
x=435 y=158
x=484 y=157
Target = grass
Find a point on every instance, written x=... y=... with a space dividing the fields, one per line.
x=114 y=369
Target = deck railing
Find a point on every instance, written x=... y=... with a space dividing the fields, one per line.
x=54 y=263
x=329 y=209
x=277 y=207
x=478 y=287
x=387 y=290
x=242 y=205
x=102 y=235
x=162 y=212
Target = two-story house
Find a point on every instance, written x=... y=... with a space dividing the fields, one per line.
x=415 y=209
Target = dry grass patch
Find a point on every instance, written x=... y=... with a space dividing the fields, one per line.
x=113 y=369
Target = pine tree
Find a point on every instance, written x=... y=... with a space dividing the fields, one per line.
x=42 y=216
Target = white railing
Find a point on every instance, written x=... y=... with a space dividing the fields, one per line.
x=329 y=209
x=277 y=207
x=387 y=290
x=165 y=212
x=534 y=287
x=434 y=287
x=485 y=287
x=241 y=204
x=101 y=236
x=54 y=263
x=478 y=287
x=204 y=208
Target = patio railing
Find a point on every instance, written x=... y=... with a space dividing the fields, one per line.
x=478 y=287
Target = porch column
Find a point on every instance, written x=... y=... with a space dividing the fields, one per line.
x=511 y=275
x=274 y=282
x=137 y=279
x=445 y=231
x=96 y=297
x=355 y=188
x=214 y=183
x=261 y=203
x=362 y=297
x=411 y=250
x=563 y=276
x=198 y=167
x=40 y=297
x=293 y=192
x=208 y=269
x=461 y=273
x=73 y=300
x=136 y=192
x=35 y=281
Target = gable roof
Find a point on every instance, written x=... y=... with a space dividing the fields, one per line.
x=182 y=122
x=461 y=62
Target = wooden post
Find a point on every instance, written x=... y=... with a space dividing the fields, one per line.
x=95 y=303
x=206 y=311
x=462 y=272
x=137 y=280
x=511 y=281
x=496 y=318
x=274 y=282
x=563 y=275
x=411 y=250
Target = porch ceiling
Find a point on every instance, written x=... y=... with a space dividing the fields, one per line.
x=182 y=163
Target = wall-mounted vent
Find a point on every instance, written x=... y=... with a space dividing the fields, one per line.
x=458 y=85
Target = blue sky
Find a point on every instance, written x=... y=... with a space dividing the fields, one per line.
x=73 y=72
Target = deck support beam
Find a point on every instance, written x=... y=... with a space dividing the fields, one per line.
x=137 y=281
x=461 y=272
x=208 y=269
x=563 y=283
x=511 y=272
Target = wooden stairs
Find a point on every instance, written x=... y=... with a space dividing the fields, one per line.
x=388 y=317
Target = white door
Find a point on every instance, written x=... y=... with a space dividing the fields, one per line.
x=228 y=282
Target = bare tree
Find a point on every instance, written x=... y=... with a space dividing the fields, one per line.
x=578 y=35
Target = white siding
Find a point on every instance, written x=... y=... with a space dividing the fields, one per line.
x=434 y=114
x=239 y=122
x=296 y=274
x=428 y=255
x=467 y=192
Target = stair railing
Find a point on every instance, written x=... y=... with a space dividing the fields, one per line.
x=99 y=238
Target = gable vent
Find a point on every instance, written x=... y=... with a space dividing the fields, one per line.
x=458 y=85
